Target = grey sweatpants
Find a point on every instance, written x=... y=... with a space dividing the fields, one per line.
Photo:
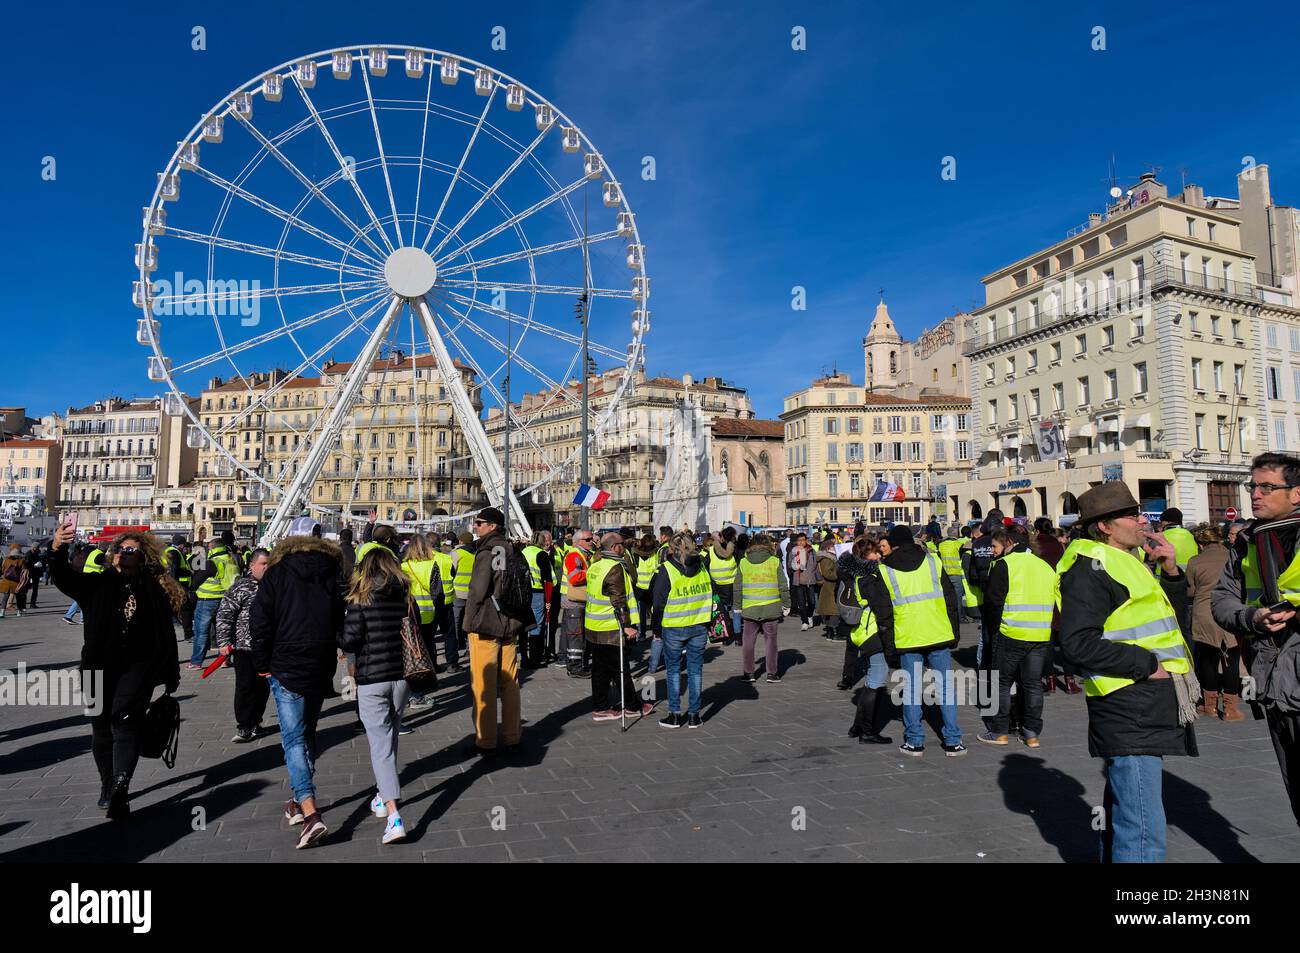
x=381 y=705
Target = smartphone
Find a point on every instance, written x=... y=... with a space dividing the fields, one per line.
x=1283 y=606
x=70 y=519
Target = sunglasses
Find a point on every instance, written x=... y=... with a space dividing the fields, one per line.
x=128 y=549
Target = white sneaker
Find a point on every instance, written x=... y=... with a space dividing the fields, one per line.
x=378 y=807
x=804 y=627
x=394 y=830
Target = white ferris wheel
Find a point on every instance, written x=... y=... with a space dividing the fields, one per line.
x=367 y=200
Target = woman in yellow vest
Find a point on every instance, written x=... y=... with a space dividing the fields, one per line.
x=1020 y=598
x=864 y=639
x=763 y=598
x=681 y=608
x=424 y=576
x=1120 y=626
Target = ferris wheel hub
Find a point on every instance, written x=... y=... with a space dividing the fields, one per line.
x=410 y=272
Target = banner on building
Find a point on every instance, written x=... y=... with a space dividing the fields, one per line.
x=1051 y=444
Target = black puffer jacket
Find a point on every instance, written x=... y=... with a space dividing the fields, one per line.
x=374 y=634
x=135 y=657
x=907 y=559
x=297 y=616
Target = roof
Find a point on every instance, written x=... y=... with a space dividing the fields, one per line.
x=25 y=444
x=735 y=427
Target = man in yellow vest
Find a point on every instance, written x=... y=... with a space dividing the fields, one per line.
x=1171 y=527
x=537 y=555
x=916 y=610
x=213 y=578
x=573 y=603
x=1020 y=598
x=1120 y=627
x=177 y=558
x=763 y=598
x=950 y=557
x=609 y=621
x=681 y=609
x=1257 y=598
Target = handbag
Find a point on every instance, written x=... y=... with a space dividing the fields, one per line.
x=160 y=731
x=719 y=625
x=416 y=663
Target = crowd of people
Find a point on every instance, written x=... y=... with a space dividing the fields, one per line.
x=1155 y=624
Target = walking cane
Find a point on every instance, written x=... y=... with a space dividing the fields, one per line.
x=622 y=684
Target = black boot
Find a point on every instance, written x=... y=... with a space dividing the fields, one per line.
x=105 y=788
x=119 y=805
x=869 y=705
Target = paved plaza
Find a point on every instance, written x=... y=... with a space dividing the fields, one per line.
x=771 y=775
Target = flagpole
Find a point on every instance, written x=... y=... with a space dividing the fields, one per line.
x=584 y=516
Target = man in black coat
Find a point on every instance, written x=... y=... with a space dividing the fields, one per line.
x=294 y=625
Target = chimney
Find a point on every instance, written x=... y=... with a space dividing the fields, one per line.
x=1094 y=218
x=1194 y=196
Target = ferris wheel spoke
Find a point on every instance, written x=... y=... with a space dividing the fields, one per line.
x=433 y=226
x=518 y=161
x=272 y=335
x=527 y=288
x=330 y=426
x=537 y=252
x=293 y=220
x=311 y=187
x=511 y=221
x=343 y=165
x=309 y=361
x=220 y=241
x=419 y=175
x=383 y=159
x=531 y=323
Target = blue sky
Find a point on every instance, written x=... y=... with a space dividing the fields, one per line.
x=775 y=168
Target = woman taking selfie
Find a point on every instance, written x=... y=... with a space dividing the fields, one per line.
x=129 y=640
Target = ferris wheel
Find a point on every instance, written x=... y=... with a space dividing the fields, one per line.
x=365 y=201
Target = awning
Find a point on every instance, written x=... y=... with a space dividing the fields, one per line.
x=1108 y=425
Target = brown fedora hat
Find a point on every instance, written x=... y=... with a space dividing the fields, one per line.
x=1109 y=499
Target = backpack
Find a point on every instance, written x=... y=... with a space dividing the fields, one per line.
x=850 y=611
x=13 y=573
x=514 y=595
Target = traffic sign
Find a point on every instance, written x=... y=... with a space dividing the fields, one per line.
x=1230 y=514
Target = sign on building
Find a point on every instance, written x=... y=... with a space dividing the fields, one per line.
x=1051 y=444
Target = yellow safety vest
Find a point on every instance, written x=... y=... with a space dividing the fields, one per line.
x=1031 y=597
x=531 y=553
x=600 y=615
x=646 y=567
x=365 y=548
x=973 y=596
x=866 y=628
x=920 y=611
x=445 y=576
x=690 y=599
x=94 y=561
x=722 y=570
x=215 y=586
x=1147 y=619
x=184 y=577
x=1288 y=583
x=759 y=583
x=950 y=556
x=1184 y=545
x=464 y=570
x=417 y=570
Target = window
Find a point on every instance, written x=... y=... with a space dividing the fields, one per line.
x=993 y=411
x=1209 y=231
x=1032 y=360
x=1140 y=378
x=1011 y=366
x=1295 y=340
x=1058 y=397
x=1192 y=320
x=1112 y=385
x=1081 y=344
x=833 y=484
x=853 y=453
x=963 y=449
x=1013 y=407
x=989 y=374
x=1270 y=334
x=1139 y=271
x=1139 y=326
x=1056 y=352
x=940 y=451
x=877 y=424
x=1216 y=326
x=1223 y=434
x=832 y=425
x=1035 y=405
x=832 y=453
x=1273 y=382
x=854 y=425
x=916 y=424
x=1182 y=264
x=1191 y=228
x=961 y=422
x=1239 y=378
x=1279 y=434
x=1196 y=374
x=1218 y=376
x=1108 y=336
x=1236 y=329
x=896 y=424
x=855 y=482
x=1085 y=392
x=936 y=422
x=1200 y=431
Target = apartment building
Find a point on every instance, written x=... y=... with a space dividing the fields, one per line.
x=843 y=441
x=1126 y=351
x=626 y=460
x=934 y=363
x=29 y=476
x=115 y=453
x=401 y=452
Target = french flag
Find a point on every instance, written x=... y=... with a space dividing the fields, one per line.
x=590 y=497
x=888 y=493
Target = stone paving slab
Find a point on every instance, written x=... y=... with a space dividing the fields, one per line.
x=770 y=776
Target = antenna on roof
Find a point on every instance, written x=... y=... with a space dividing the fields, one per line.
x=1182 y=171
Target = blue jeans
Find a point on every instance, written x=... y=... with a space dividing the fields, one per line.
x=940 y=662
x=692 y=638
x=1135 y=810
x=298 y=716
x=539 y=613
x=72 y=610
x=205 y=613
x=877 y=671
x=656 y=654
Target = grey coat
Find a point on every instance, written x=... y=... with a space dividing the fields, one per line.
x=765 y=613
